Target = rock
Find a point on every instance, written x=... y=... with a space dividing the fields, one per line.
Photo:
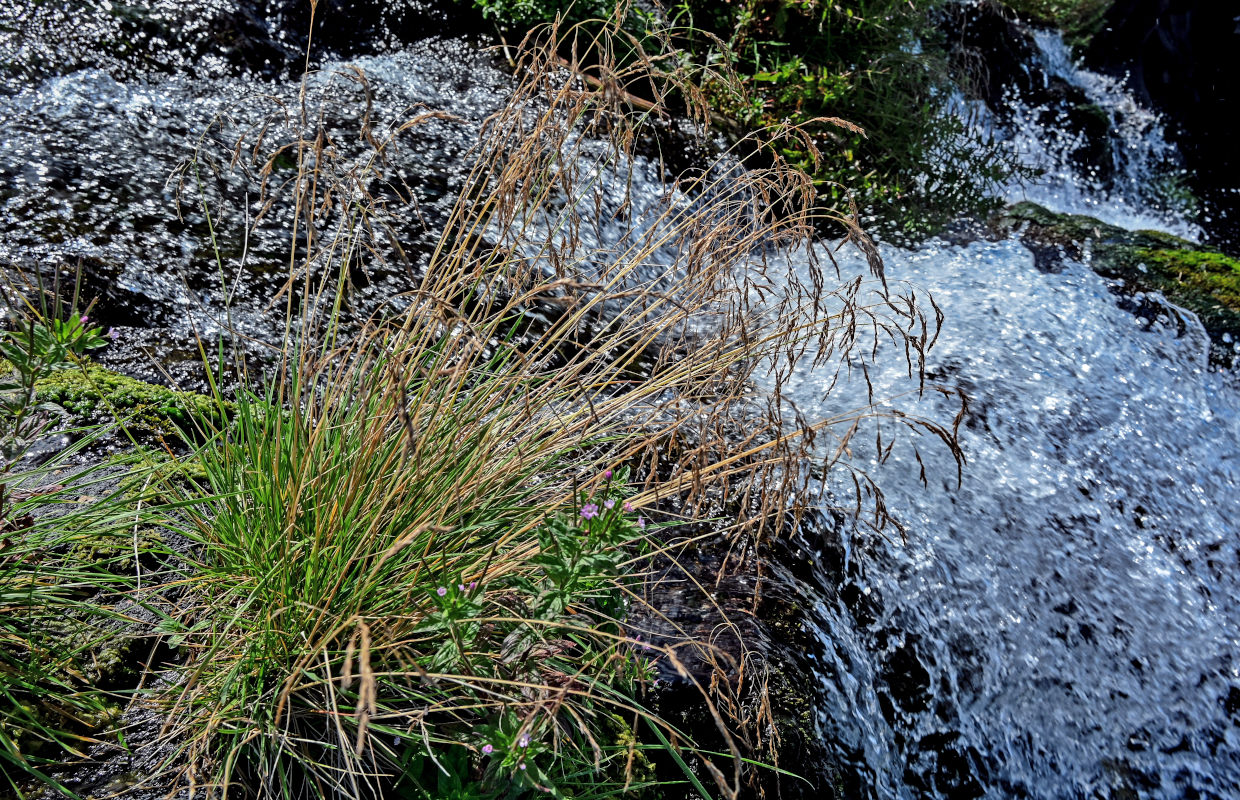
x=1200 y=279
x=1178 y=56
x=995 y=53
x=768 y=621
x=267 y=38
x=992 y=48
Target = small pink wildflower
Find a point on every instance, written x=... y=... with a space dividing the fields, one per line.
x=473 y=585
x=113 y=334
x=460 y=587
x=521 y=766
x=609 y=504
x=628 y=506
x=641 y=522
x=84 y=319
x=607 y=475
x=524 y=741
x=441 y=591
x=486 y=748
x=589 y=511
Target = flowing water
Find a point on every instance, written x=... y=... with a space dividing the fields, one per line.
x=1134 y=187
x=130 y=170
x=1064 y=623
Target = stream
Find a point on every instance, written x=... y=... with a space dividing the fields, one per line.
x=1064 y=623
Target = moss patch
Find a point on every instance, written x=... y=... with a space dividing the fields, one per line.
x=1200 y=279
x=94 y=394
x=1205 y=282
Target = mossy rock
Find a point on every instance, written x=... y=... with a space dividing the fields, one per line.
x=1198 y=278
x=93 y=395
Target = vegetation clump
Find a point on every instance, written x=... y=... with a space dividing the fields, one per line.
x=903 y=155
x=63 y=641
x=93 y=394
x=1079 y=20
x=406 y=560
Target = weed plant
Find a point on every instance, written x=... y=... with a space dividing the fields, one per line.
x=70 y=550
x=40 y=337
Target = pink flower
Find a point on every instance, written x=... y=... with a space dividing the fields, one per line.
x=524 y=741
x=641 y=522
x=628 y=506
x=606 y=473
x=609 y=505
x=589 y=511
x=486 y=748
x=441 y=591
x=473 y=585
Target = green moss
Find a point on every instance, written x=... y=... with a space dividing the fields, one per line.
x=1202 y=280
x=1097 y=117
x=1060 y=228
x=1205 y=282
x=1222 y=268
x=94 y=394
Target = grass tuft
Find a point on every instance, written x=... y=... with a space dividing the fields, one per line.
x=405 y=559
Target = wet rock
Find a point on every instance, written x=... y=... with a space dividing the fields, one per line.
x=995 y=53
x=948 y=768
x=41 y=40
x=1200 y=279
x=1179 y=56
x=907 y=681
x=349 y=28
x=100 y=285
x=767 y=620
x=266 y=38
x=992 y=49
